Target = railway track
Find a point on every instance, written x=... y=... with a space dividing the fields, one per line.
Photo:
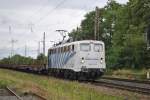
x=32 y=96
x=124 y=84
x=128 y=80
x=9 y=94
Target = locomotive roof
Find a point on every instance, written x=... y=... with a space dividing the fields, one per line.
x=76 y=42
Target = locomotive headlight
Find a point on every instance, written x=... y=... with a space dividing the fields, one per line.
x=101 y=60
x=82 y=60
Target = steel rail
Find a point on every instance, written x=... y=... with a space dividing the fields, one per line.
x=127 y=80
x=129 y=87
x=13 y=93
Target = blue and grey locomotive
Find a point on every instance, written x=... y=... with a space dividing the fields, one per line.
x=77 y=60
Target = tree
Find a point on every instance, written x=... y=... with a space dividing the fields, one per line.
x=123 y=29
x=41 y=59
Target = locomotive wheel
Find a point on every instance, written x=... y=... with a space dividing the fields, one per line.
x=71 y=76
x=74 y=76
x=80 y=76
x=66 y=75
x=61 y=75
x=57 y=73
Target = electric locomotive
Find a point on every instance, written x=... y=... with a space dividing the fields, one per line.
x=77 y=60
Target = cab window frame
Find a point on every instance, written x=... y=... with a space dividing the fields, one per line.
x=100 y=47
x=82 y=44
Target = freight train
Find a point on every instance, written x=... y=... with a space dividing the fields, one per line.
x=75 y=60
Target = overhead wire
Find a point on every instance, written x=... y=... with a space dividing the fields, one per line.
x=41 y=18
x=37 y=11
x=50 y=12
x=81 y=13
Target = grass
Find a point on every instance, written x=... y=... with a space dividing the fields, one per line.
x=128 y=73
x=51 y=88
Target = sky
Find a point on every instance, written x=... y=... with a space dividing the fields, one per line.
x=25 y=21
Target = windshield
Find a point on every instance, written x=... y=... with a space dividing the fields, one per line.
x=85 y=47
x=98 y=47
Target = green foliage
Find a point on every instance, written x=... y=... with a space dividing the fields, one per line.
x=86 y=31
x=17 y=59
x=122 y=28
x=41 y=59
x=21 y=60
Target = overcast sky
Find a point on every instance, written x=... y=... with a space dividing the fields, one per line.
x=26 y=20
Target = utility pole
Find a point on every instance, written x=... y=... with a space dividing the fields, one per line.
x=31 y=27
x=12 y=47
x=12 y=42
x=97 y=24
x=44 y=43
x=39 y=48
x=25 y=51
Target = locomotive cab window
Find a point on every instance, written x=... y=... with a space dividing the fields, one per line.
x=98 y=47
x=85 y=47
